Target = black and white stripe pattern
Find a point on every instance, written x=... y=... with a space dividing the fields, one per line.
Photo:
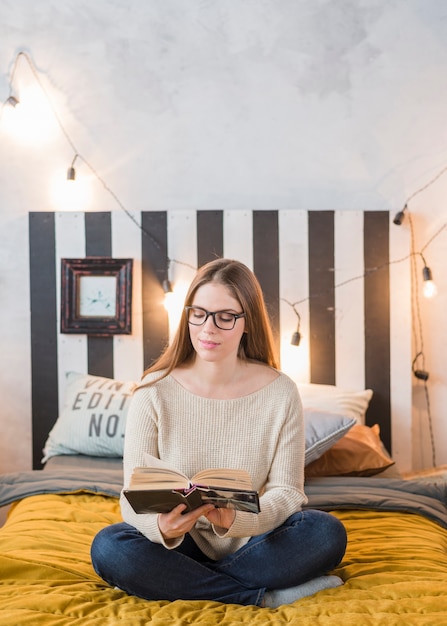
x=354 y=299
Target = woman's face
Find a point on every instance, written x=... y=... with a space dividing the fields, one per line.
x=210 y=342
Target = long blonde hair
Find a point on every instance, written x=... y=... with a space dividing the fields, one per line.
x=257 y=340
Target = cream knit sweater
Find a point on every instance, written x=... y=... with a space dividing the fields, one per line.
x=262 y=433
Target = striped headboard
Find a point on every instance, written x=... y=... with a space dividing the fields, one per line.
x=347 y=272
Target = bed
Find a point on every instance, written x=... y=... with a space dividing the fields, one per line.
x=394 y=569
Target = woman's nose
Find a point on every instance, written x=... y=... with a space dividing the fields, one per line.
x=210 y=323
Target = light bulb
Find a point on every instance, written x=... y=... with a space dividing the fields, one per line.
x=70 y=195
x=30 y=121
x=71 y=172
x=296 y=338
x=429 y=288
x=167 y=287
x=12 y=101
x=169 y=302
x=399 y=218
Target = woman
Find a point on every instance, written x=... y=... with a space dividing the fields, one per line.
x=215 y=398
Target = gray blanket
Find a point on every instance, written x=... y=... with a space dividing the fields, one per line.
x=18 y=485
x=342 y=492
x=384 y=494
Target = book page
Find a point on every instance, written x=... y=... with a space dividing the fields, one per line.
x=153 y=461
x=158 y=474
x=223 y=477
x=156 y=478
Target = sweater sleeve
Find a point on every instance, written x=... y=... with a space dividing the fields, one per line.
x=141 y=437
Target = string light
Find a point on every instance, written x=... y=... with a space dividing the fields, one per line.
x=421 y=374
x=70 y=195
x=296 y=337
x=429 y=288
x=167 y=287
x=12 y=101
x=71 y=172
x=399 y=217
x=71 y=176
x=28 y=118
x=168 y=291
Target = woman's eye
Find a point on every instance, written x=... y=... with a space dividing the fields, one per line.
x=198 y=315
x=225 y=317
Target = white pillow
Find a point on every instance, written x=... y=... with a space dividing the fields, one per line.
x=322 y=430
x=336 y=400
x=93 y=420
x=93 y=417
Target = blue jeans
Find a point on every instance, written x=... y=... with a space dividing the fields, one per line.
x=309 y=543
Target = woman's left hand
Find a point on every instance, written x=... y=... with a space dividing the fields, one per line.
x=221 y=517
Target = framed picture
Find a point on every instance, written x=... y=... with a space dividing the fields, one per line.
x=96 y=296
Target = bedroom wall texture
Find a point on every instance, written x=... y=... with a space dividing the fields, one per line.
x=222 y=105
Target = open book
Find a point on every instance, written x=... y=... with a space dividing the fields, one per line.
x=157 y=488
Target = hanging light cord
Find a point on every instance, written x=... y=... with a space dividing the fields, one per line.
x=418 y=335
x=427 y=185
x=430 y=423
x=30 y=63
x=417 y=329
x=79 y=156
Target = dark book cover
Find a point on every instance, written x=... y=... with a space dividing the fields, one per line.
x=164 y=500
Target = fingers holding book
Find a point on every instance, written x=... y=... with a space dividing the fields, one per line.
x=221 y=517
x=177 y=523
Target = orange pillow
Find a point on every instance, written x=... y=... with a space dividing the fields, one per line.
x=358 y=453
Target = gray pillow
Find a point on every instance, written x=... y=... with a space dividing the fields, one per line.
x=322 y=430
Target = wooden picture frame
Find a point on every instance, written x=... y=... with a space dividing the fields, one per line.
x=96 y=296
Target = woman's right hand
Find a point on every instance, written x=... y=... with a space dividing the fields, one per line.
x=175 y=524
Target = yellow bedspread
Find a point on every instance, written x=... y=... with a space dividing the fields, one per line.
x=395 y=572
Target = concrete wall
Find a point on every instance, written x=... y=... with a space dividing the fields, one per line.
x=227 y=104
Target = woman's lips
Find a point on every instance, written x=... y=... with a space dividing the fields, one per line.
x=208 y=344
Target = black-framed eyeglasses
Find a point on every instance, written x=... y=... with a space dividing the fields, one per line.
x=222 y=319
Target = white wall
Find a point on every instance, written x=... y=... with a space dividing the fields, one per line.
x=225 y=104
